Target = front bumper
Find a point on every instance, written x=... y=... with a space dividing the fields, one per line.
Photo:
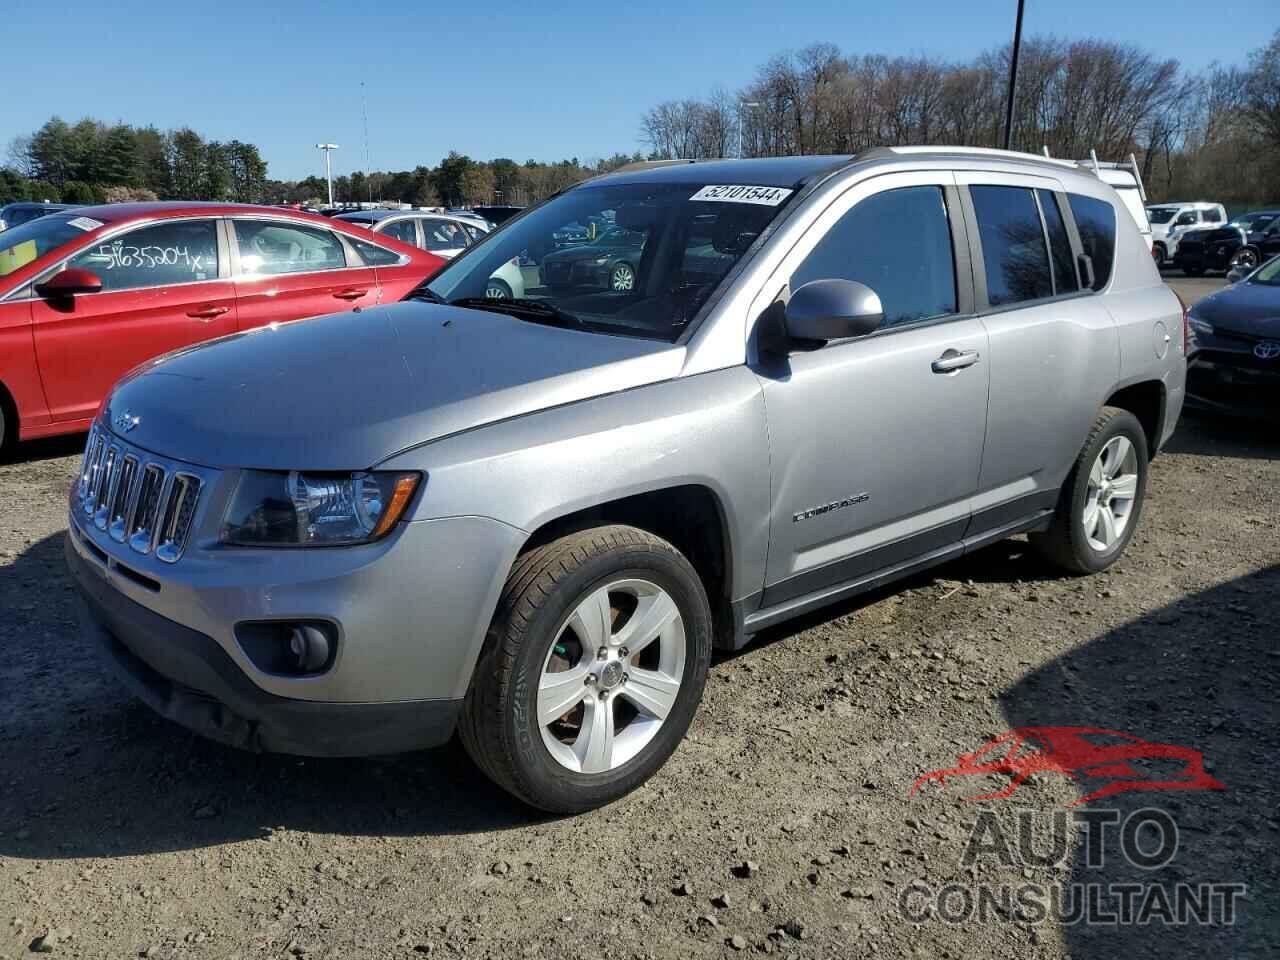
x=1221 y=382
x=188 y=678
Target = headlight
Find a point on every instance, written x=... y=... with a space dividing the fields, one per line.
x=315 y=509
x=1199 y=326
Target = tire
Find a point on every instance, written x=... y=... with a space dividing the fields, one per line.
x=1161 y=257
x=496 y=288
x=1248 y=258
x=534 y=636
x=1067 y=543
x=622 y=277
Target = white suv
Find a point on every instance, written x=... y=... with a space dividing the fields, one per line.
x=1170 y=221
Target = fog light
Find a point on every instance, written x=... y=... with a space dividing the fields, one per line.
x=310 y=648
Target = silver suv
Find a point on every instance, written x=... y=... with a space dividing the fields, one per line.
x=530 y=520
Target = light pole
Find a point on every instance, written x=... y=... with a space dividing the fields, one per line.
x=1013 y=79
x=742 y=106
x=328 y=148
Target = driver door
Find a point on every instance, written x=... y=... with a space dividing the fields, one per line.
x=876 y=446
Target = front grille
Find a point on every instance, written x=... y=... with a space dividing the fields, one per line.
x=136 y=499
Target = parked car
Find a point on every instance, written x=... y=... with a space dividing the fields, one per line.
x=87 y=294
x=1169 y=221
x=16 y=214
x=498 y=214
x=443 y=235
x=470 y=216
x=1235 y=349
x=530 y=520
x=1244 y=242
x=609 y=262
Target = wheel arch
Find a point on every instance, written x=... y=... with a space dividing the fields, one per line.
x=689 y=516
x=1146 y=401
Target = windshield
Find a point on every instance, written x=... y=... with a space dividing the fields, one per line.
x=33 y=240
x=1268 y=273
x=1161 y=214
x=1253 y=221
x=635 y=259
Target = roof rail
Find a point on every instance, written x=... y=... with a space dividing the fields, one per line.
x=648 y=165
x=991 y=152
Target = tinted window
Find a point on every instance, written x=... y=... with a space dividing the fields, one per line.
x=1212 y=216
x=1017 y=262
x=899 y=244
x=405 y=230
x=181 y=251
x=1064 y=267
x=442 y=235
x=473 y=233
x=1186 y=219
x=372 y=254
x=272 y=247
x=1096 y=224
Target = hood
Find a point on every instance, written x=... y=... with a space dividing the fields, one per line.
x=347 y=391
x=1252 y=309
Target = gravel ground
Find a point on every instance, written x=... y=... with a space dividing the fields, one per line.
x=784 y=825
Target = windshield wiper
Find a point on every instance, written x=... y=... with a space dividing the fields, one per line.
x=425 y=294
x=537 y=311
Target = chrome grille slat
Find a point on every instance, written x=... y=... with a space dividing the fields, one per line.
x=137 y=499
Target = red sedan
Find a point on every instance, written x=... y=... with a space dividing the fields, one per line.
x=87 y=294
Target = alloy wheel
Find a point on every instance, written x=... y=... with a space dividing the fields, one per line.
x=612 y=676
x=1109 y=499
x=622 y=278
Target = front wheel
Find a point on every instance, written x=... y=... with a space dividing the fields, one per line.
x=497 y=289
x=593 y=669
x=622 y=278
x=1101 y=500
x=1246 y=259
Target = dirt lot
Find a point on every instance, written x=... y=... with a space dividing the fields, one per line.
x=125 y=836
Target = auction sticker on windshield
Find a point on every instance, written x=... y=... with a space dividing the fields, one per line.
x=765 y=196
x=85 y=223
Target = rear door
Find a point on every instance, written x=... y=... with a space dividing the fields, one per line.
x=1053 y=350
x=444 y=238
x=288 y=270
x=164 y=286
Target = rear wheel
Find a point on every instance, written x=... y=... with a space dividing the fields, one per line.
x=595 y=664
x=1101 y=500
x=497 y=289
x=1158 y=252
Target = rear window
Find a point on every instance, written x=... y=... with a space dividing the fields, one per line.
x=1096 y=223
x=1013 y=248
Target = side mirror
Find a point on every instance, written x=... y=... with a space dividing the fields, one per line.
x=69 y=282
x=832 y=310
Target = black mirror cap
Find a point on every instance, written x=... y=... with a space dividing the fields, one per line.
x=825 y=310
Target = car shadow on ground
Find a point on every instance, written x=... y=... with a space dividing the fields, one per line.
x=1201 y=673
x=85 y=771
x=48 y=448
x=1206 y=434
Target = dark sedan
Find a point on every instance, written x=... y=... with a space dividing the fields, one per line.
x=1235 y=354
x=610 y=262
x=1245 y=242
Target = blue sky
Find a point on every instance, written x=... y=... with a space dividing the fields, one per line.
x=546 y=80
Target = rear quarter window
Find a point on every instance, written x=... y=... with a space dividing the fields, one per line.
x=1096 y=224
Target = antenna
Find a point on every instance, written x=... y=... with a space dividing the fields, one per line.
x=328 y=148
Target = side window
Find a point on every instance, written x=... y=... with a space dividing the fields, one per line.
x=442 y=235
x=1186 y=219
x=1096 y=224
x=405 y=230
x=1212 y=216
x=899 y=244
x=181 y=251
x=1013 y=249
x=1064 y=267
x=273 y=247
x=474 y=234
x=372 y=254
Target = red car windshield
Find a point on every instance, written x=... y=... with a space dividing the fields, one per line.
x=31 y=241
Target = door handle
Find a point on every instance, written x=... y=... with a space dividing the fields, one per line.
x=953 y=360
x=351 y=293
x=207 y=313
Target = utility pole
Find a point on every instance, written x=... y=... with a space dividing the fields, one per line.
x=328 y=148
x=1013 y=79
